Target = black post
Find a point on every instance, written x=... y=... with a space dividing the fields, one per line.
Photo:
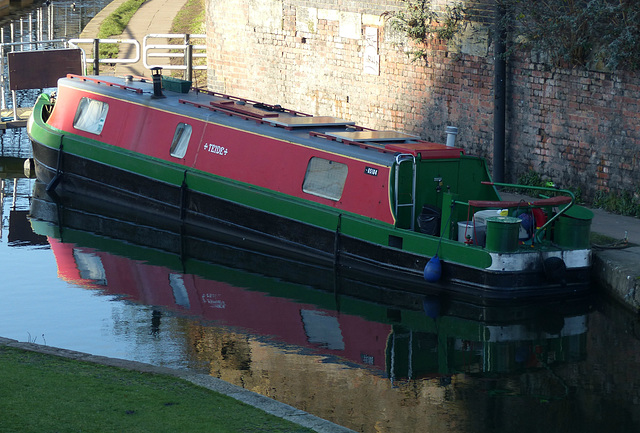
x=187 y=60
x=96 y=57
x=499 y=92
x=189 y=66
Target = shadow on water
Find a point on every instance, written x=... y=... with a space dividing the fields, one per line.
x=367 y=357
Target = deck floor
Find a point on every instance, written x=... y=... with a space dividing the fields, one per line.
x=7 y=120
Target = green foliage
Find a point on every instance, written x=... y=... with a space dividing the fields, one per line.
x=423 y=25
x=114 y=25
x=530 y=178
x=599 y=34
x=623 y=203
x=533 y=178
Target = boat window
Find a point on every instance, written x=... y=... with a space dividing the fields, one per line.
x=91 y=115
x=180 y=140
x=325 y=178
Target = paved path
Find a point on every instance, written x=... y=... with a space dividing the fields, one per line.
x=154 y=16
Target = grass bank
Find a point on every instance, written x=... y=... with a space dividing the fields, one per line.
x=191 y=20
x=115 y=24
x=45 y=393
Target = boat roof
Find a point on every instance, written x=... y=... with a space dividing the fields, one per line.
x=327 y=133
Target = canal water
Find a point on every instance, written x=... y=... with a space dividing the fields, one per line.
x=369 y=358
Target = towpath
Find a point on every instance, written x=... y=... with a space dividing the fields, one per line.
x=153 y=17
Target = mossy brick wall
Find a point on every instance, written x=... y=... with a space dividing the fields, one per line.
x=580 y=128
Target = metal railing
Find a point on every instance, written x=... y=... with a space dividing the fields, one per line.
x=96 y=60
x=185 y=51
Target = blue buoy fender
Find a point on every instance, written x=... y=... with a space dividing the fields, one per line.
x=433 y=270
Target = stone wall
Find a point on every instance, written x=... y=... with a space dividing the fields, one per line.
x=579 y=128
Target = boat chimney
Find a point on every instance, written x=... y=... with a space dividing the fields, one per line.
x=156 y=74
x=452 y=131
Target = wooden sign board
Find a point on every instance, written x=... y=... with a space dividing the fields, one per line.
x=41 y=69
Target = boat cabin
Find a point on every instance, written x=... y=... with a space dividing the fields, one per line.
x=384 y=175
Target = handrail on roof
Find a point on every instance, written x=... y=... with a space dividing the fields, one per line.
x=222 y=109
x=249 y=101
x=361 y=144
x=99 y=81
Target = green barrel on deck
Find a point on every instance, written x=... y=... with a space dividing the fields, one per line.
x=573 y=228
x=502 y=234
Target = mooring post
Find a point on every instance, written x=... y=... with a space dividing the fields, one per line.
x=188 y=57
x=15 y=105
x=189 y=61
x=3 y=102
x=96 y=56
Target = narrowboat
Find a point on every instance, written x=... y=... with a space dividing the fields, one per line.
x=379 y=205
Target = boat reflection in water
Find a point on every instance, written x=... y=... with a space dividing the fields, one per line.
x=367 y=357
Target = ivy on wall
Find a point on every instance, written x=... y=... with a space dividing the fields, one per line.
x=422 y=24
x=596 y=34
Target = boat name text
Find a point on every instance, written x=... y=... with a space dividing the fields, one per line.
x=214 y=148
x=371 y=171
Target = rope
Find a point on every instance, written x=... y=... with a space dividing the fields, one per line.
x=616 y=245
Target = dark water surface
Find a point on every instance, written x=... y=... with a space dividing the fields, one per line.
x=364 y=357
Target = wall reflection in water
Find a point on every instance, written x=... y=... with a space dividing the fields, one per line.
x=320 y=343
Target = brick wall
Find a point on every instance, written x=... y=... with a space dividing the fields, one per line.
x=579 y=128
